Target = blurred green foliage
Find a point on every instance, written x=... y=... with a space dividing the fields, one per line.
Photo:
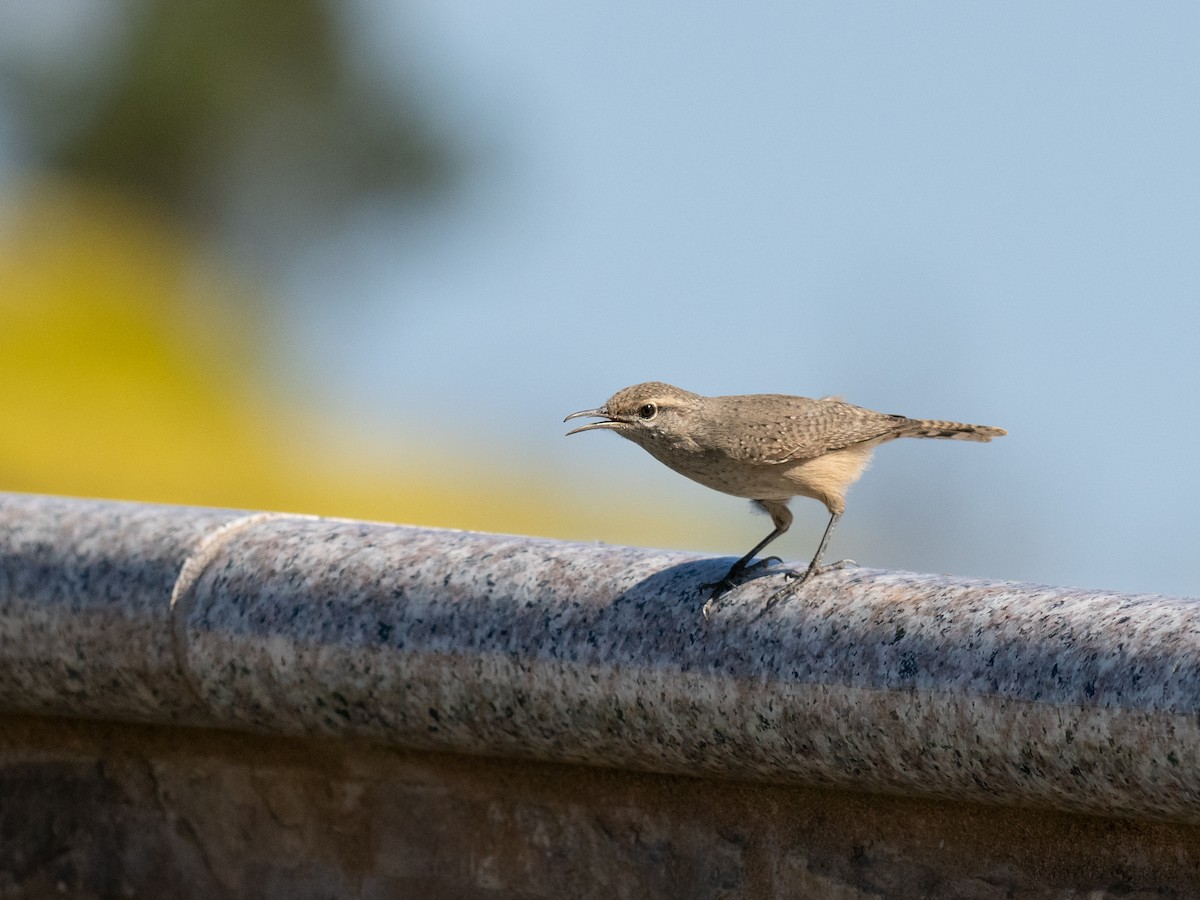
x=226 y=110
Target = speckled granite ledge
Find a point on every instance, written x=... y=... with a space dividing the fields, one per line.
x=487 y=644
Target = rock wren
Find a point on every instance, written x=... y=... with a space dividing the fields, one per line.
x=765 y=447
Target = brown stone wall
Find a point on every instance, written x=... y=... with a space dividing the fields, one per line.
x=102 y=810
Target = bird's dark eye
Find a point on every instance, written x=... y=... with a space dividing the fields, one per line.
x=648 y=411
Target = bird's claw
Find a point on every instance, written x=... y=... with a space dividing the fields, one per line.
x=719 y=588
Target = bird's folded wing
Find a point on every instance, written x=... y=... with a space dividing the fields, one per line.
x=802 y=428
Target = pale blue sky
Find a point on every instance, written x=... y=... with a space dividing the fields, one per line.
x=987 y=212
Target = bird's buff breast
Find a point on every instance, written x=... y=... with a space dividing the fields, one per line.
x=823 y=478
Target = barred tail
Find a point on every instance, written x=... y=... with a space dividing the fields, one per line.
x=955 y=431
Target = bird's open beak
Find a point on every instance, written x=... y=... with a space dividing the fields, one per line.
x=600 y=412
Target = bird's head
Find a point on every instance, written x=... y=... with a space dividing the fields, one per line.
x=645 y=413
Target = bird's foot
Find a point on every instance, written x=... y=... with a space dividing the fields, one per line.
x=797 y=579
x=732 y=579
x=734 y=576
x=811 y=571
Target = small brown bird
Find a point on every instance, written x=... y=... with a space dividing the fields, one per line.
x=765 y=447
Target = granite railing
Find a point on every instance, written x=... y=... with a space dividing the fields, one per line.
x=879 y=682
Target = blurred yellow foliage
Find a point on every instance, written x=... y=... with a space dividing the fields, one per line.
x=122 y=376
x=127 y=370
x=103 y=392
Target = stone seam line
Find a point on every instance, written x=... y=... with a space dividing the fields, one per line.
x=183 y=594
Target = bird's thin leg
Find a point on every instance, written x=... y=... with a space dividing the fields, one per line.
x=744 y=563
x=782 y=517
x=815 y=565
x=816 y=560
